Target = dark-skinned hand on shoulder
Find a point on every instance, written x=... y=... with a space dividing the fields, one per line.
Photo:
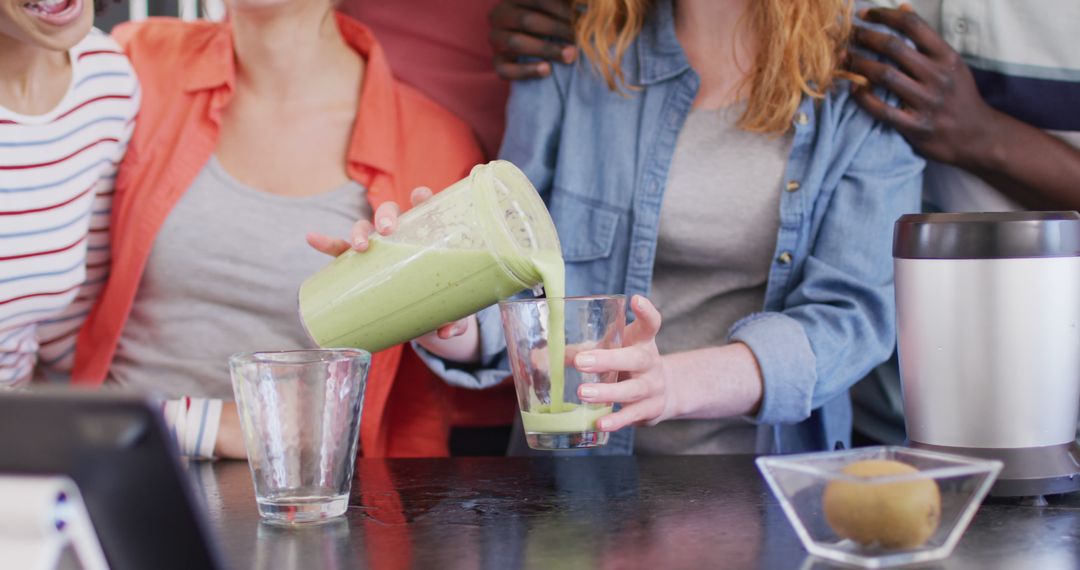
x=944 y=117
x=538 y=29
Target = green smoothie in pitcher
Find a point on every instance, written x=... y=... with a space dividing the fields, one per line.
x=464 y=249
x=486 y=238
x=407 y=291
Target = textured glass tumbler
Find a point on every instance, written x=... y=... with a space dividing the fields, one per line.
x=300 y=415
x=551 y=413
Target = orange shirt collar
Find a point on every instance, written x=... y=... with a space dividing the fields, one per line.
x=374 y=135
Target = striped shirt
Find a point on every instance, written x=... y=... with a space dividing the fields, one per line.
x=1026 y=64
x=56 y=182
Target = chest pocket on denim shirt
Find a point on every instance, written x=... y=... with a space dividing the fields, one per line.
x=587 y=235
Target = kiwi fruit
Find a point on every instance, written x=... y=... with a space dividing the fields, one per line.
x=900 y=515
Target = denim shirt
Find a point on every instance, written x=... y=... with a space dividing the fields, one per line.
x=600 y=160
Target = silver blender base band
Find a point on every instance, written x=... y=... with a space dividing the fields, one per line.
x=1028 y=471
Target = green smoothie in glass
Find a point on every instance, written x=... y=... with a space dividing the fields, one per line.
x=541 y=335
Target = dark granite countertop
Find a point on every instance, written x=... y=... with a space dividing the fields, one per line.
x=568 y=513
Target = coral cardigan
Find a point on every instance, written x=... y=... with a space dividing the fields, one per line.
x=400 y=140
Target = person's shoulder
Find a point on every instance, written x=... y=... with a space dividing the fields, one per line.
x=164 y=38
x=163 y=50
x=101 y=53
x=96 y=42
x=104 y=71
x=838 y=117
x=844 y=110
x=162 y=30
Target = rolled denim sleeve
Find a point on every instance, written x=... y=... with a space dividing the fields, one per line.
x=533 y=126
x=838 y=319
x=493 y=366
x=787 y=363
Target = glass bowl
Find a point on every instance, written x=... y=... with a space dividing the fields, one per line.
x=879 y=521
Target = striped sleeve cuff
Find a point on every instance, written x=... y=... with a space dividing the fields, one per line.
x=193 y=425
x=202 y=433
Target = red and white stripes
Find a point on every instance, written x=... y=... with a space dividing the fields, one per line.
x=56 y=183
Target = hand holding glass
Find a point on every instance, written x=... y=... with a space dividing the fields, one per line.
x=552 y=414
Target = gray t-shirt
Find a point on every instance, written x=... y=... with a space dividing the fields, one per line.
x=718 y=227
x=222 y=278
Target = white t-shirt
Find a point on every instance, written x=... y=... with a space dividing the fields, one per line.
x=56 y=181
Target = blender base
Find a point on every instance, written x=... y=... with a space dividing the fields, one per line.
x=1028 y=471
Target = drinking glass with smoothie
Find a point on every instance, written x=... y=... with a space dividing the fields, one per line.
x=542 y=338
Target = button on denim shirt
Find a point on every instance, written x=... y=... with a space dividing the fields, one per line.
x=600 y=160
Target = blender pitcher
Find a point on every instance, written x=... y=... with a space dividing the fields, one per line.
x=466 y=248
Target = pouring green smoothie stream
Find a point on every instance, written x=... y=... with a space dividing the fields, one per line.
x=484 y=239
x=558 y=416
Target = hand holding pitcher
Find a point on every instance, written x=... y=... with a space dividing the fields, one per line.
x=445 y=259
x=458 y=340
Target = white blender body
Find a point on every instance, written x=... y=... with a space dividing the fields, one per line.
x=988 y=317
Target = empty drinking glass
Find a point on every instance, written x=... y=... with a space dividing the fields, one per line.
x=544 y=374
x=300 y=415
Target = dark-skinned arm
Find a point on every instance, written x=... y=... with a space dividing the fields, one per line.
x=531 y=28
x=944 y=117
